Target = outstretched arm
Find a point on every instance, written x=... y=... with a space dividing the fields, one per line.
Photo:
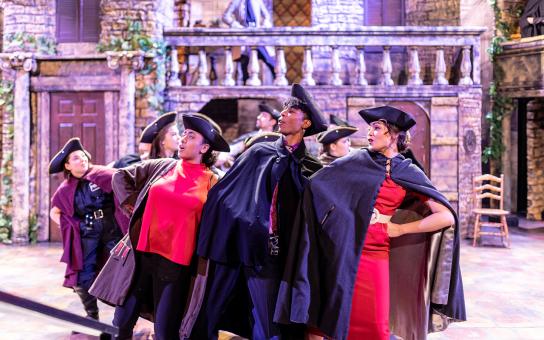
x=441 y=217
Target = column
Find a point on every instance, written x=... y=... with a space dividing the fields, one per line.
x=23 y=63
x=128 y=62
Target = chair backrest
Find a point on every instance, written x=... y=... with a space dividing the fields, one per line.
x=485 y=187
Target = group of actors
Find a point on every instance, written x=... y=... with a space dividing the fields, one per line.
x=354 y=245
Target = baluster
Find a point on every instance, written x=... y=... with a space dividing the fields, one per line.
x=414 y=69
x=387 y=68
x=336 y=67
x=229 y=68
x=203 y=79
x=440 y=68
x=307 y=67
x=253 y=68
x=361 y=69
x=174 y=80
x=280 y=68
x=466 y=67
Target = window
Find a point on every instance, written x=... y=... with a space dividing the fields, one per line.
x=384 y=12
x=78 y=20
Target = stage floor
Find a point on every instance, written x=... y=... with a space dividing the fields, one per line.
x=503 y=292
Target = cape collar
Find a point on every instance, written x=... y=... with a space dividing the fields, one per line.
x=298 y=154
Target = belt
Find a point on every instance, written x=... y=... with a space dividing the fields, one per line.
x=95 y=215
x=378 y=217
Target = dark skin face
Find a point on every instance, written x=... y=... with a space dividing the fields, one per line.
x=292 y=125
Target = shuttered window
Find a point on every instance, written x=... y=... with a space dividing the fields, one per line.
x=384 y=12
x=78 y=20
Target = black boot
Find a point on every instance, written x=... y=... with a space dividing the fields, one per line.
x=89 y=302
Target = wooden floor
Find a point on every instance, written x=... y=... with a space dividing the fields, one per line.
x=503 y=291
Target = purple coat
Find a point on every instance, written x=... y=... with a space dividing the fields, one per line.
x=63 y=199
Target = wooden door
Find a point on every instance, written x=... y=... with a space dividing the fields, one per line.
x=76 y=114
x=420 y=133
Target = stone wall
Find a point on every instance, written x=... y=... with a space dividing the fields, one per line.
x=338 y=14
x=35 y=17
x=154 y=16
x=535 y=159
x=432 y=12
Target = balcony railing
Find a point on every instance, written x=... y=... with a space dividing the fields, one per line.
x=416 y=40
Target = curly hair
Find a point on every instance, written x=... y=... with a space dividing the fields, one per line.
x=403 y=137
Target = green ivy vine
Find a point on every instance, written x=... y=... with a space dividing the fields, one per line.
x=500 y=105
x=22 y=41
x=6 y=169
x=133 y=39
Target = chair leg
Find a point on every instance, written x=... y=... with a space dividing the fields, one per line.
x=506 y=233
x=476 y=229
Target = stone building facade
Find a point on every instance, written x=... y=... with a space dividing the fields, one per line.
x=111 y=86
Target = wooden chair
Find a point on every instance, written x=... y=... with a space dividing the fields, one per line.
x=484 y=188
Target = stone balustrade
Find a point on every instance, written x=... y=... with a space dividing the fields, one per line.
x=413 y=39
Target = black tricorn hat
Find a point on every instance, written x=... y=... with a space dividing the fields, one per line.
x=152 y=130
x=261 y=138
x=332 y=135
x=207 y=128
x=312 y=110
x=57 y=162
x=335 y=120
x=263 y=107
x=390 y=114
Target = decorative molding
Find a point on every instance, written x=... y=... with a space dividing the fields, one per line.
x=134 y=60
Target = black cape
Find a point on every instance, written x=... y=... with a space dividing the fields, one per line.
x=127 y=160
x=235 y=218
x=325 y=249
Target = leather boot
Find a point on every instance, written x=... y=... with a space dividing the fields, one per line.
x=89 y=302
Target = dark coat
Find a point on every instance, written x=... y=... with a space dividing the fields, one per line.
x=131 y=186
x=326 y=246
x=235 y=218
x=535 y=9
x=63 y=198
x=127 y=160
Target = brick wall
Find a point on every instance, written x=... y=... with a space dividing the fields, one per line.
x=35 y=17
x=535 y=159
x=154 y=15
x=432 y=12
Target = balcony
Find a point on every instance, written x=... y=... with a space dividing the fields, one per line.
x=453 y=51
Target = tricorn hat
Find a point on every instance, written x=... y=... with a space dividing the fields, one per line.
x=207 y=128
x=335 y=120
x=312 y=110
x=57 y=163
x=391 y=115
x=152 y=130
x=332 y=135
x=261 y=138
x=263 y=107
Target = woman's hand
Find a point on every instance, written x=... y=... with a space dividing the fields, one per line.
x=394 y=229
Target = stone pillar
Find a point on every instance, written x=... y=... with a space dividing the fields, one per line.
x=128 y=62
x=535 y=160
x=22 y=63
x=470 y=154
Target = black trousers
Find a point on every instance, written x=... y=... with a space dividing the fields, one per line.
x=167 y=284
x=242 y=300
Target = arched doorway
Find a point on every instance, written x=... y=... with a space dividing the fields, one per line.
x=420 y=133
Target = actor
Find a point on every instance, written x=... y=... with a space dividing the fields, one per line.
x=335 y=141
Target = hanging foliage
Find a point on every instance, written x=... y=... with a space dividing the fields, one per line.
x=133 y=39
x=500 y=104
x=6 y=164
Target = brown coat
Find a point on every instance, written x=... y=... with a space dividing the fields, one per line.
x=131 y=186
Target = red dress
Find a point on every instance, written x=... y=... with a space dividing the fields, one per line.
x=370 y=303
